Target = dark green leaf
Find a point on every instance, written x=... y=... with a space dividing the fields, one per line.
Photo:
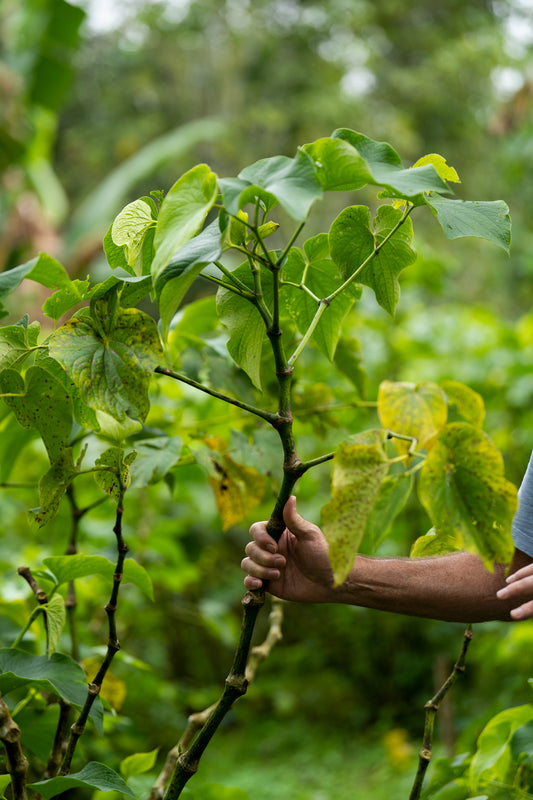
x=245 y=324
x=59 y=674
x=292 y=181
x=93 y=776
x=183 y=268
x=386 y=168
x=43 y=269
x=314 y=267
x=486 y=220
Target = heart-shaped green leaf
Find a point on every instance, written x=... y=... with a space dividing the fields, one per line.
x=110 y=355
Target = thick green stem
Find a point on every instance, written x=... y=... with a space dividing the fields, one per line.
x=432 y=706
x=235 y=686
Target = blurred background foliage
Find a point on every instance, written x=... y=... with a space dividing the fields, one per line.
x=103 y=102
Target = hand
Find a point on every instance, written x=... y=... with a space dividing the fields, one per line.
x=519 y=586
x=297 y=568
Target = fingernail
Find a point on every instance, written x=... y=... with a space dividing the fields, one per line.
x=502 y=593
x=271 y=548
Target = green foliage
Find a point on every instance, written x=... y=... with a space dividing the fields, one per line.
x=99 y=392
x=93 y=776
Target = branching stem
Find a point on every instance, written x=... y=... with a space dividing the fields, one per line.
x=178 y=376
x=113 y=644
x=432 y=706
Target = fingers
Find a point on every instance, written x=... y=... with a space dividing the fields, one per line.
x=521 y=573
x=519 y=584
x=525 y=611
x=301 y=528
x=262 y=562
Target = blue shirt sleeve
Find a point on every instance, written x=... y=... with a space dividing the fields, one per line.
x=522 y=529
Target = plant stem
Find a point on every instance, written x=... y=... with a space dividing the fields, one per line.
x=325 y=302
x=42 y=599
x=17 y=764
x=290 y=243
x=199 y=719
x=113 y=644
x=266 y=415
x=432 y=706
x=60 y=740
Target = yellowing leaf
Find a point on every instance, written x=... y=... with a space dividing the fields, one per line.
x=130 y=227
x=446 y=172
x=410 y=409
x=468 y=403
x=463 y=489
x=359 y=467
x=238 y=489
x=113 y=689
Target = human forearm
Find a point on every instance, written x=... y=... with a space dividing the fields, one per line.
x=455 y=587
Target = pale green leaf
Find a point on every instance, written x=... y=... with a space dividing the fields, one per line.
x=69 y=568
x=486 y=220
x=52 y=487
x=110 y=356
x=155 y=457
x=16 y=342
x=434 y=544
x=183 y=213
x=66 y=298
x=56 y=616
x=463 y=489
x=43 y=404
x=339 y=167
x=116 y=478
x=492 y=758
x=418 y=410
x=359 y=467
x=138 y=763
x=130 y=227
x=92 y=776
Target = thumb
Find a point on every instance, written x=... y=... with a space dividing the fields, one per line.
x=297 y=525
